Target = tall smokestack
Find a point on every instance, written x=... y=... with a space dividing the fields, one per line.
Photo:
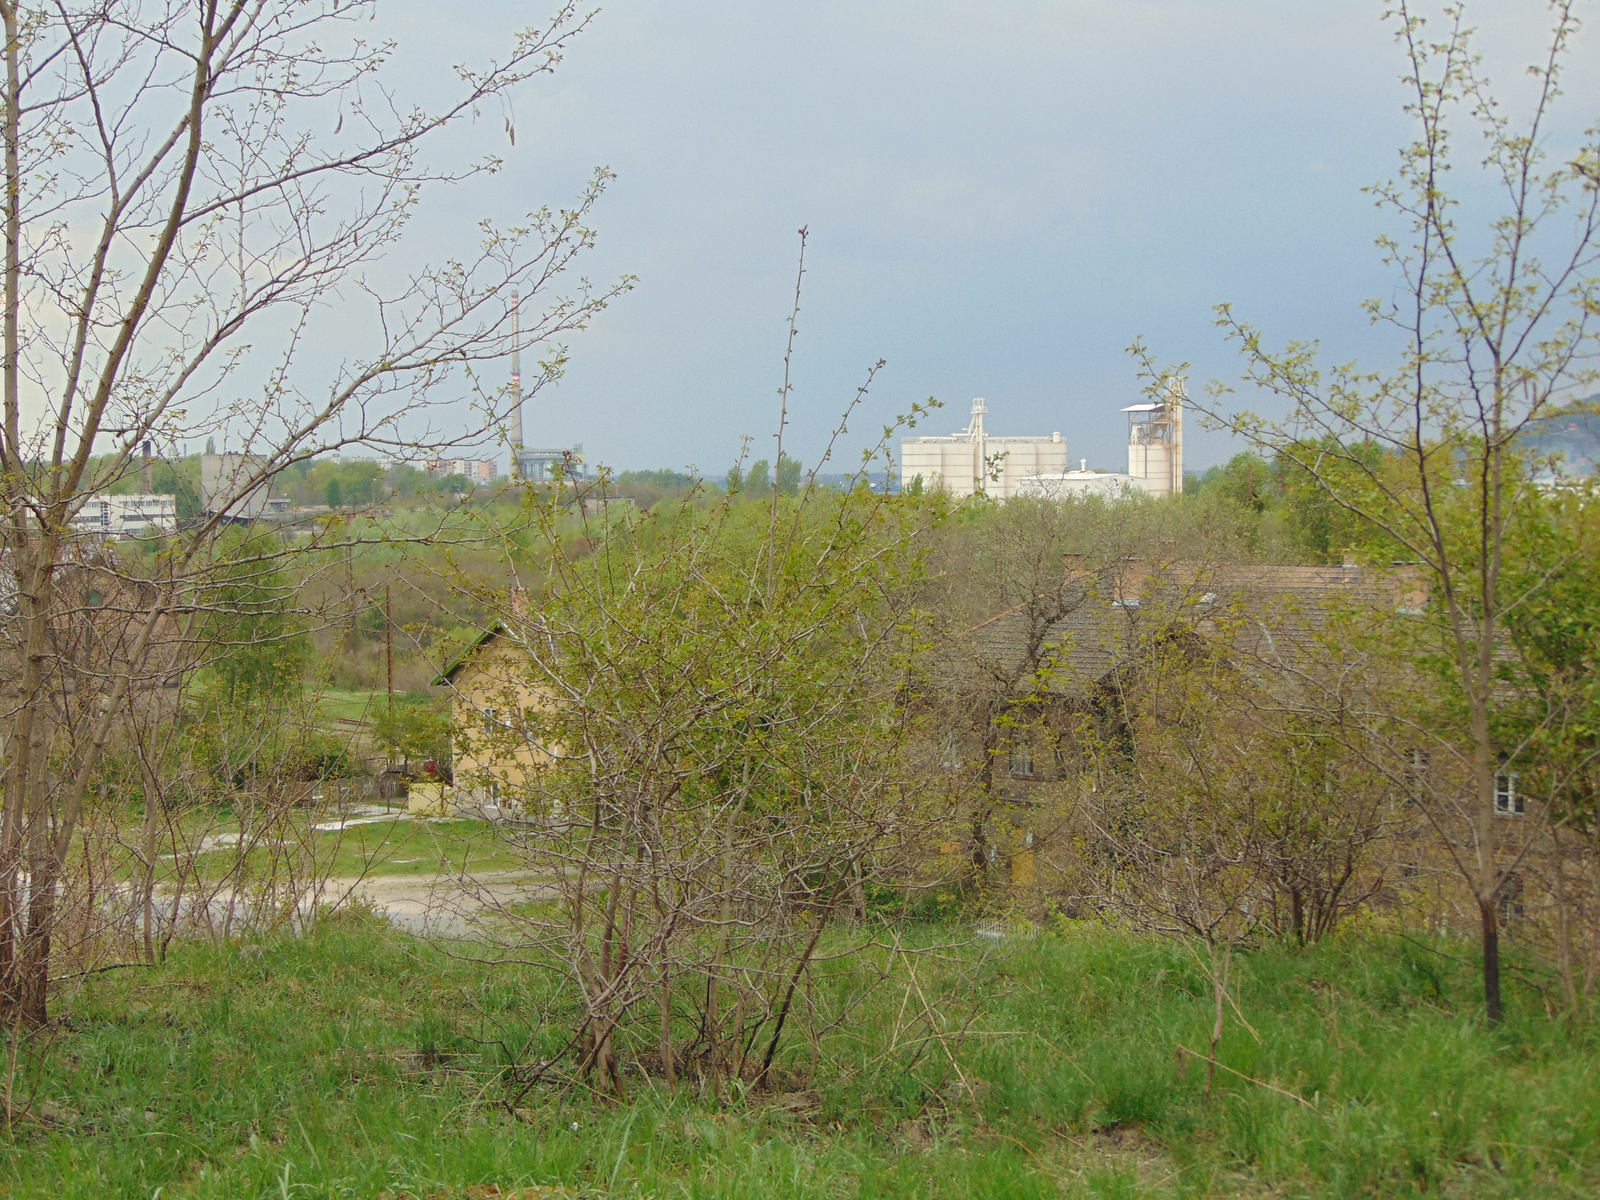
x=149 y=479
x=516 y=383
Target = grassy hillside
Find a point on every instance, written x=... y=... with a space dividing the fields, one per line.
x=359 y=1063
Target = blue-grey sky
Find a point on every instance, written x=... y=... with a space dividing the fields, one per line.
x=1000 y=196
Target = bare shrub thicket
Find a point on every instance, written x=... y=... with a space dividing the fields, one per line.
x=712 y=700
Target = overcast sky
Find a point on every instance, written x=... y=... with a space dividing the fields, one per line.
x=1001 y=196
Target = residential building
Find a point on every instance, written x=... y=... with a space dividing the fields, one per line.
x=477 y=470
x=495 y=753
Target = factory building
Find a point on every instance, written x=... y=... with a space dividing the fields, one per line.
x=975 y=460
x=1155 y=440
x=137 y=515
x=1155 y=456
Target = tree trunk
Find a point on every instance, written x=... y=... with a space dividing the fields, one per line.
x=1491 y=957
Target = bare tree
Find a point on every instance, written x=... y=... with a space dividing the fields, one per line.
x=191 y=188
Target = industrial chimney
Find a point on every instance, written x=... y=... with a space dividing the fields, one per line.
x=516 y=385
x=146 y=469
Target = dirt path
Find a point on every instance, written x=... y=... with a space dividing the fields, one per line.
x=439 y=903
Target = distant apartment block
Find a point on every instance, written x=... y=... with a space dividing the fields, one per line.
x=142 y=513
x=478 y=470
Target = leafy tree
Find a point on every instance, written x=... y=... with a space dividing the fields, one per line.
x=1497 y=331
x=333 y=494
x=1317 y=526
x=788 y=477
x=417 y=732
x=260 y=652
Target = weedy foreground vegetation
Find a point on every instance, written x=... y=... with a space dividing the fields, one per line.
x=358 y=1062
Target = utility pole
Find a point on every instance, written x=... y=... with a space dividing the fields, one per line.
x=352 y=633
x=388 y=644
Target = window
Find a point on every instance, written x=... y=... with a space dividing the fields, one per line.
x=1022 y=757
x=1507 y=799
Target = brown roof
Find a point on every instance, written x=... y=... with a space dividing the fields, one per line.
x=1117 y=607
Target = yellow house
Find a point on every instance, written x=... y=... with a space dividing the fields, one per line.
x=494 y=753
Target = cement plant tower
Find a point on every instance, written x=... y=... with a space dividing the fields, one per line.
x=1155 y=440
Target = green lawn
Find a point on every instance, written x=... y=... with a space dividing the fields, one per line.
x=414 y=847
x=350 y=706
x=360 y=1063
x=391 y=847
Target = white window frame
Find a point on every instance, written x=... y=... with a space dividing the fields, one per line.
x=1508 y=799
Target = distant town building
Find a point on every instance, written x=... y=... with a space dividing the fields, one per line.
x=139 y=514
x=974 y=460
x=478 y=470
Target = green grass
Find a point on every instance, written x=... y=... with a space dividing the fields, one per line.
x=400 y=847
x=356 y=1063
x=351 y=706
x=414 y=847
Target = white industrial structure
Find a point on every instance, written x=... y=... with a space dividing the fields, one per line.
x=235 y=486
x=1155 y=440
x=541 y=466
x=528 y=463
x=1082 y=482
x=975 y=460
x=1155 y=456
x=516 y=385
x=137 y=515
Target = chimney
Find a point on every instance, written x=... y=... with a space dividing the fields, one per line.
x=516 y=384
x=149 y=481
